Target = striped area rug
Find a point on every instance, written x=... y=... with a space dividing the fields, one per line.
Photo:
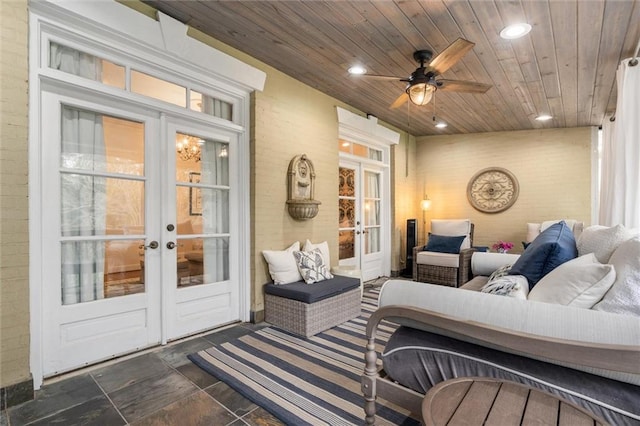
x=301 y=381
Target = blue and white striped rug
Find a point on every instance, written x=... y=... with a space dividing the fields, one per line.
x=301 y=381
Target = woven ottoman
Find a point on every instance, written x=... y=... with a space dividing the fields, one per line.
x=307 y=309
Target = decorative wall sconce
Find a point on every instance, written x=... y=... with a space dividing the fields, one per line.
x=301 y=186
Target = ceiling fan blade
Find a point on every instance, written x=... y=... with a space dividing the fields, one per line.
x=378 y=77
x=463 y=86
x=452 y=54
x=399 y=101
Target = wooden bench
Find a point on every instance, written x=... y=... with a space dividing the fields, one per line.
x=307 y=309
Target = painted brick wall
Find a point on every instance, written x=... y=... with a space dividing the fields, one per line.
x=553 y=168
x=14 y=254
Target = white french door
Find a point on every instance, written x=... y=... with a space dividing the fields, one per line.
x=201 y=233
x=139 y=245
x=361 y=222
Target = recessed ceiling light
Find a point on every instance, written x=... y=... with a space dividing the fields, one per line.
x=515 y=31
x=357 y=70
x=441 y=125
x=544 y=117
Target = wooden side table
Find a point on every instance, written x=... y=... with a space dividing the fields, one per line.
x=485 y=401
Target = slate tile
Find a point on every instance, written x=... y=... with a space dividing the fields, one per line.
x=231 y=399
x=144 y=397
x=239 y=422
x=222 y=336
x=261 y=417
x=128 y=372
x=194 y=410
x=98 y=411
x=176 y=355
x=55 y=397
x=4 y=421
x=197 y=375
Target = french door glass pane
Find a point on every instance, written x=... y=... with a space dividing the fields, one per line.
x=93 y=144
x=202 y=208
x=372 y=240
x=346 y=241
x=347 y=185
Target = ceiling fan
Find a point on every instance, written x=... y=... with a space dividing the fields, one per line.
x=422 y=83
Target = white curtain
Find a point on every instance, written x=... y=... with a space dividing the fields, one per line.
x=83 y=196
x=372 y=189
x=215 y=210
x=217 y=108
x=620 y=185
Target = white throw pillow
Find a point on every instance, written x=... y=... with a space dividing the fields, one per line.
x=624 y=295
x=311 y=266
x=602 y=241
x=324 y=250
x=282 y=264
x=515 y=286
x=580 y=282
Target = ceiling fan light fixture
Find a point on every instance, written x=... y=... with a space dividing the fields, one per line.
x=544 y=117
x=420 y=93
x=357 y=70
x=515 y=31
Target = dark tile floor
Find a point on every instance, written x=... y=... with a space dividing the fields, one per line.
x=160 y=387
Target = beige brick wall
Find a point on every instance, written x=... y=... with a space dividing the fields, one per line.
x=553 y=168
x=14 y=236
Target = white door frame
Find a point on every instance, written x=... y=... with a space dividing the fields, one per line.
x=367 y=131
x=115 y=32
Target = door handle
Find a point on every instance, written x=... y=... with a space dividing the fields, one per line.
x=152 y=245
x=171 y=245
x=357 y=232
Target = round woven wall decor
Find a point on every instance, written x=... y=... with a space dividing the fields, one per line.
x=493 y=190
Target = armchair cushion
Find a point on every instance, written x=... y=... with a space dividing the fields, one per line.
x=550 y=249
x=444 y=244
x=449 y=260
x=453 y=228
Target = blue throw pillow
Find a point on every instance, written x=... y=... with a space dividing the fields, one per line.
x=444 y=244
x=549 y=250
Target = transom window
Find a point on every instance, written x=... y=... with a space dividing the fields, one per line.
x=66 y=58
x=359 y=150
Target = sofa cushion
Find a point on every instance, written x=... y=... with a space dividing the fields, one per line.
x=580 y=282
x=550 y=249
x=282 y=265
x=444 y=244
x=311 y=266
x=305 y=293
x=453 y=228
x=624 y=296
x=602 y=240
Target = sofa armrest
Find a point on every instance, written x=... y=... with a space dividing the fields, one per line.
x=485 y=263
x=568 y=333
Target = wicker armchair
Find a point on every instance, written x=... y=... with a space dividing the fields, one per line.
x=442 y=268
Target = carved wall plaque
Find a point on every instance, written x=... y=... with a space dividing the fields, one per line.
x=301 y=188
x=493 y=190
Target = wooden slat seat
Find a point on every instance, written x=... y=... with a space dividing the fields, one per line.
x=485 y=401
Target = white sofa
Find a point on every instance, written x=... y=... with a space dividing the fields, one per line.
x=603 y=341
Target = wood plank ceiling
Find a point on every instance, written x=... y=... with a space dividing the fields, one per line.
x=564 y=67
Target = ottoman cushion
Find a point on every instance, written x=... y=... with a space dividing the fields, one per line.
x=311 y=293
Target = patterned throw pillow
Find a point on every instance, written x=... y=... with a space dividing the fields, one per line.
x=515 y=286
x=311 y=266
x=500 y=272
